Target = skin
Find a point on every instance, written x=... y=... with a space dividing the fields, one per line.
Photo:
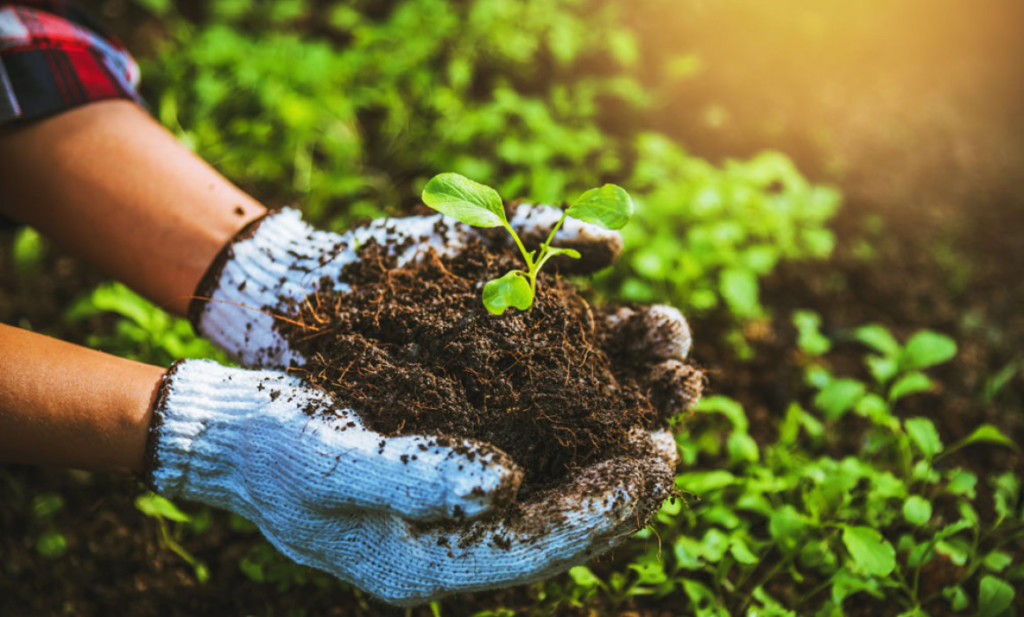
x=61 y=404
x=113 y=187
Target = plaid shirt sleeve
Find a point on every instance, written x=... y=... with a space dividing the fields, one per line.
x=54 y=57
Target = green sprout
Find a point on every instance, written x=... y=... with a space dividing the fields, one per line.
x=480 y=206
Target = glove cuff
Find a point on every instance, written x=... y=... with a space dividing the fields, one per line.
x=194 y=436
x=276 y=258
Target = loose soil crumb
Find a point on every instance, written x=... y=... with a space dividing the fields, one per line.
x=414 y=350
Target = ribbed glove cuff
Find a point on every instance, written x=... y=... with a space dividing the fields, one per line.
x=277 y=258
x=193 y=440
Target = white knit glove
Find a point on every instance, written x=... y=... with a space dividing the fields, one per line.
x=384 y=513
x=283 y=258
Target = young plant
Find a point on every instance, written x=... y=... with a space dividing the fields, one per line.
x=480 y=206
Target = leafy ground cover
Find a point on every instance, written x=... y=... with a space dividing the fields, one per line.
x=858 y=452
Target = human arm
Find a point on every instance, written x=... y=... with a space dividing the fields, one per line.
x=61 y=404
x=114 y=187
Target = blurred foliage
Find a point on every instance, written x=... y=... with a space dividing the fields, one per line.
x=796 y=527
x=350 y=106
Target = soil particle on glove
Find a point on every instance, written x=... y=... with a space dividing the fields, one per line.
x=414 y=351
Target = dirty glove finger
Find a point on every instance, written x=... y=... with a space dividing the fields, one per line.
x=650 y=334
x=653 y=343
x=408 y=564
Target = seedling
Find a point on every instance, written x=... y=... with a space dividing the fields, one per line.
x=480 y=206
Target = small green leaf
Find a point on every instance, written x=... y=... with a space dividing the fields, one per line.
x=46 y=505
x=742 y=448
x=510 y=290
x=839 y=396
x=809 y=337
x=252 y=569
x=927 y=348
x=883 y=368
x=730 y=408
x=923 y=434
x=738 y=286
x=202 y=572
x=957 y=597
x=869 y=550
x=554 y=250
x=584 y=577
x=1007 y=487
x=609 y=207
x=28 y=248
x=846 y=584
x=957 y=550
x=986 y=433
x=962 y=483
x=917 y=510
x=741 y=552
x=687 y=551
x=787 y=526
x=154 y=505
x=464 y=200
x=51 y=545
x=994 y=596
x=649 y=572
x=997 y=561
x=909 y=384
x=878 y=338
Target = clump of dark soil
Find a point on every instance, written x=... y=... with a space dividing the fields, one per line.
x=413 y=349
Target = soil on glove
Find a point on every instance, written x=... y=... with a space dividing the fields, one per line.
x=415 y=351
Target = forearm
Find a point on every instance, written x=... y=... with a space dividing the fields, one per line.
x=65 y=405
x=113 y=186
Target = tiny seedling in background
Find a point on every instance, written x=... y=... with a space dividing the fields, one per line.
x=480 y=206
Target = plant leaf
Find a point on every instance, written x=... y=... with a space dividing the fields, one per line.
x=464 y=200
x=512 y=289
x=922 y=432
x=917 y=510
x=909 y=384
x=584 y=577
x=988 y=434
x=609 y=207
x=927 y=348
x=957 y=597
x=869 y=550
x=154 y=505
x=994 y=596
x=839 y=396
x=554 y=250
x=878 y=338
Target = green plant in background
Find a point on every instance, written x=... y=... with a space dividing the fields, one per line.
x=354 y=117
x=143 y=332
x=704 y=236
x=793 y=528
x=480 y=206
x=172 y=522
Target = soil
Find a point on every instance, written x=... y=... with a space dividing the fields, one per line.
x=415 y=352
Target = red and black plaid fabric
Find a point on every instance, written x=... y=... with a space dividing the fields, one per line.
x=54 y=56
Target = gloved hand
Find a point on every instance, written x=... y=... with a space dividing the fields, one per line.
x=390 y=555
x=388 y=514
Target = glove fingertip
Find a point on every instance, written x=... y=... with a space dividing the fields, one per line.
x=485 y=478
